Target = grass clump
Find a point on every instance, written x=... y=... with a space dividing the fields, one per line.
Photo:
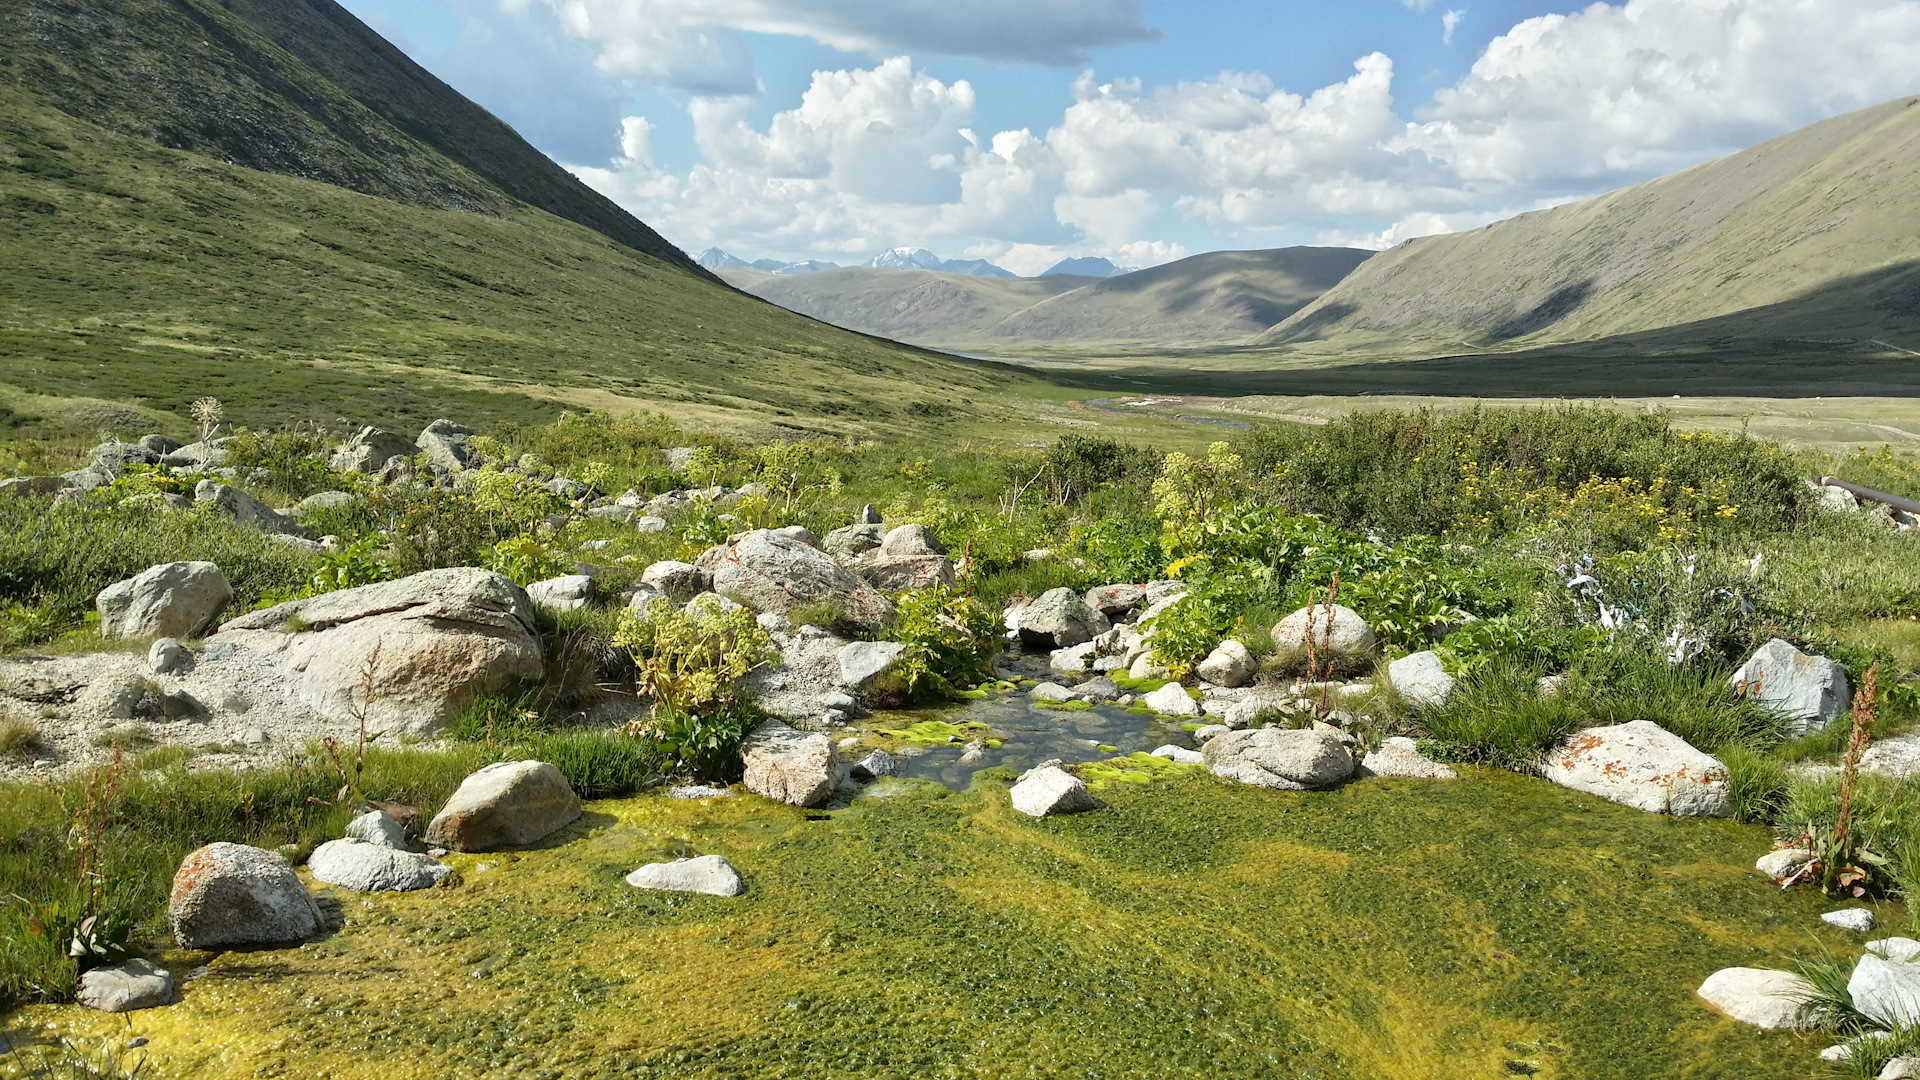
x=18 y=738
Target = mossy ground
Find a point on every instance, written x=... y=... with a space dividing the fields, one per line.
x=1493 y=926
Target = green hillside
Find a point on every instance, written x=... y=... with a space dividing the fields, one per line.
x=1217 y=298
x=188 y=209
x=1814 y=235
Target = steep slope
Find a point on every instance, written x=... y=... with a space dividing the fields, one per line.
x=1217 y=298
x=1815 y=233
x=203 y=213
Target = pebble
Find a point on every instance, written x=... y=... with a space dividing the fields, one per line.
x=1858 y=920
x=485 y=866
x=136 y=1042
x=699 y=791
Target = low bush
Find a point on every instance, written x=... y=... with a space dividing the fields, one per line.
x=950 y=641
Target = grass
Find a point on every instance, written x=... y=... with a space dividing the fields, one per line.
x=18 y=738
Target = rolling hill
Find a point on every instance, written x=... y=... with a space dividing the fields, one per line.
x=1812 y=235
x=263 y=201
x=1221 y=297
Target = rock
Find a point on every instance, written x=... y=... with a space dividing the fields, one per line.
x=853 y=540
x=1099 y=688
x=197 y=455
x=32 y=485
x=1642 y=765
x=1421 y=678
x=901 y=573
x=1048 y=691
x=1172 y=699
x=1904 y=1067
x=1210 y=731
x=1757 y=996
x=1347 y=638
x=114 y=458
x=507 y=804
x=1858 y=920
x=1229 y=664
x=87 y=479
x=168 y=657
x=910 y=540
x=158 y=445
x=180 y=705
x=1058 y=619
x=1256 y=708
x=159 y=502
x=568 y=489
x=874 y=766
x=1114 y=601
x=612 y=513
x=445 y=446
x=1049 y=790
x=650 y=523
x=377 y=827
x=244 y=509
x=679 y=457
x=1900 y=950
x=1549 y=686
x=869 y=515
x=368 y=452
x=299 y=543
x=231 y=894
x=569 y=593
x=708 y=874
x=1809 y=692
x=1886 y=991
x=867 y=663
x=177 y=600
x=799 y=533
x=426 y=645
x=1179 y=755
x=770 y=572
x=355 y=864
x=252 y=737
x=1783 y=863
x=698 y=791
x=325 y=500
x=793 y=767
x=1072 y=660
x=1399 y=756
x=1289 y=759
x=679 y=580
x=124 y=987
x=644 y=598
x=113 y=695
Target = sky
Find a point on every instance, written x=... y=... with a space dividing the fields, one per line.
x=1027 y=131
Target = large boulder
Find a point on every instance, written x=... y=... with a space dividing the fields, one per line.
x=794 y=767
x=890 y=573
x=244 y=509
x=854 y=539
x=231 y=894
x=507 y=804
x=1230 y=664
x=1289 y=759
x=1048 y=790
x=1346 y=636
x=445 y=445
x=370 y=449
x=1421 y=678
x=1809 y=692
x=1766 y=999
x=176 y=600
x=868 y=663
x=411 y=652
x=1886 y=991
x=113 y=457
x=770 y=572
x=1642 y=765
x=124 y=987
x=708 y=874
x=1058 y=619
x=910 y=540
x=1114 y=601
x=681 y=581
x=363 y=867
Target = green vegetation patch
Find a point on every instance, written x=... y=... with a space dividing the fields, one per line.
x=938 y=732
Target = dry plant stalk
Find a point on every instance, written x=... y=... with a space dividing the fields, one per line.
x=1323 y=644
x=90 y=820
x=1857 y=743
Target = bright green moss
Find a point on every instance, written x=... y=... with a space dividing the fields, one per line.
x=937 y=732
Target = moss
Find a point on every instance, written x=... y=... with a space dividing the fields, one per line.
x=936 y=732
x=971 y=695
x=1192 y=928
x=1130 y=685
x=1139 y=768
x=1067 y=706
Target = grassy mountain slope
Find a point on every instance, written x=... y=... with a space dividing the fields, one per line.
x=392 y=286
x=1218 y=297
x=1816 y=233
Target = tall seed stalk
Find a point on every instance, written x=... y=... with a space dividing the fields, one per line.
x=1842 y=847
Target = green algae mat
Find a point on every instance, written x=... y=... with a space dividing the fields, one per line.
x=1495 y=926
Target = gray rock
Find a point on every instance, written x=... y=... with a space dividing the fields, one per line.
x=853 y=540
x=1114 y=601
x=769 y=572
x=32 y=485
x=708 y=874
x=1172 y=699
x=1783 y=863
x=1048 y=790
x=650 y=524
x=87 y=479
x=1642 y=765
x=369 y=451
x=168 y=657
x=300 y=543
x=1209 y=732
x=869 y=516
x=445 y=445
x=909 y=540
x=197 y=455
x=1886 y=991
x=355 y=864
x=1179 y=755
x=873 y=766
x=865 y=663
x=507 y=804
x=252 y=737
x=1058 y=619
x=113 y=695
x=614 y=513
x=1757 y=996
x=325 y=500
x=568 y=489
x=679 y=580
x=569 y=593
x=905 y=572
x=1099 y=688
x=244 y=509
x=793 y=767
x=226 y=895
x=796 y=532
x=377 y=827
x=1072 y=660
x=1259 y=706
x=178 y=600
x=157 y=445
x=697 y=791
x=1399 y=756
x=1422 y=679
x=1809 y=692
x=1048 y=691
x=180 y=705
x=1904 y=1067
x=1345 y=637
x=1858 y=920
x=1901 y=950
x=1229 y=664
x=124 y=987
x=115 y=457
x=1289 y=759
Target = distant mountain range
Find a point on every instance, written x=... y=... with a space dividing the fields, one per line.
x=905 y=258
x=1219 y=297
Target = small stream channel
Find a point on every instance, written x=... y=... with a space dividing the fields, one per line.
x=1027 y=733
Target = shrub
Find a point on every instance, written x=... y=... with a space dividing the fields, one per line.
x=291 y=464
x=951 y=641
x=690 y=663
x=526 y=560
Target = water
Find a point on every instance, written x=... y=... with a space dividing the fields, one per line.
x=1028 y=735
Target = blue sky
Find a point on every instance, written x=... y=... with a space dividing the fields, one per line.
x=1029 y=130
